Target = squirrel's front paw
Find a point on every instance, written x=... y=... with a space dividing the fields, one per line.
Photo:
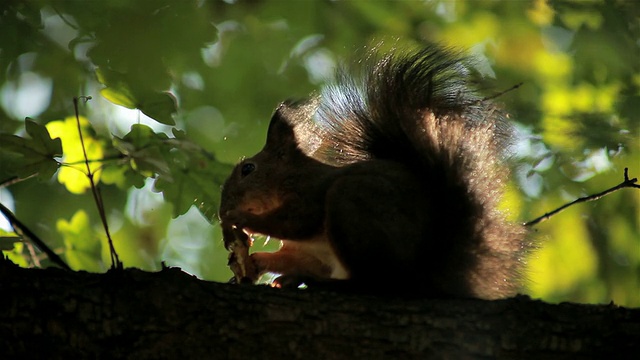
x=243 y=268
x=240 y=263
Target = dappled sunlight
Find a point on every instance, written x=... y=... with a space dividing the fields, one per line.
x=564 y=261
x=182 y=89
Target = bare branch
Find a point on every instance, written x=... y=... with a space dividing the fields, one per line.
x=29 y=236
x=514 y=87
x=15 y=179
x=627 y=183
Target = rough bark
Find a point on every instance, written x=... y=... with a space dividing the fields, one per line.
x=139 y=315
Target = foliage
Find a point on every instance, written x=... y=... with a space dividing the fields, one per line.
x=25 y=157
x=205 y=75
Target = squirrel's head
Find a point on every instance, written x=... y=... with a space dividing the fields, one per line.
x=259 y=183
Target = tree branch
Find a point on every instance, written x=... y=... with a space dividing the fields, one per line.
x=132 y=314
x=625 y=184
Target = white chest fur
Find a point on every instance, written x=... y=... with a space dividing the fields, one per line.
x=319 y=250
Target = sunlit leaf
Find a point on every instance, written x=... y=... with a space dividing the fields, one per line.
x=82 y=243
x=16 y=254
x=73 y=175
x=541 y=13
x=482 y=26
x=122 y=176
x=591 y=18
x=553 y=66
x=12 y=248
x=122 y=98
x=117 y=90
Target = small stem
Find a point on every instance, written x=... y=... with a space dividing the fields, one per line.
x=514 y=87
x=14 y=180
x=103 y=160
x=115 y=262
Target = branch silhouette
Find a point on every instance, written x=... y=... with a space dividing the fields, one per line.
x=28 y=236
x=627 y=183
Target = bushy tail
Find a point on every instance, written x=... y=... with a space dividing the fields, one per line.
x=421 y=110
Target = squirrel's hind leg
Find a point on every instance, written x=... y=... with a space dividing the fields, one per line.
x=377 y=227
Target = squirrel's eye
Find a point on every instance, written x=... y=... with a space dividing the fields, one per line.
x=247 y=168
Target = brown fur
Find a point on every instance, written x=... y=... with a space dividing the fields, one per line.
x=391 y=180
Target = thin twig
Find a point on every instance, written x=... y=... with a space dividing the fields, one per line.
x=514 y=87
x=63 y=18
x=15 y=179
x=27 y=235
x=115 y=261
x=32 y=253
x=626 y=183
x=73 y=166
x=103 y=160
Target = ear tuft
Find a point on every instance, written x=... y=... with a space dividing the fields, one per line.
x=281 y=130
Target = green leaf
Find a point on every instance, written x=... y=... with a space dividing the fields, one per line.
x=185 y=173
x=140 y=137
x=195 y=180
x=42 y=139
x=158 y=106
x=24 y=157
x=117 y=90
x=146 y=149
x=121 y=90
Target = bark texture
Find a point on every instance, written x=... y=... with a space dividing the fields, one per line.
x=132 y=314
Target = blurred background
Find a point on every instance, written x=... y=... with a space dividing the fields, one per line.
x=186 y=88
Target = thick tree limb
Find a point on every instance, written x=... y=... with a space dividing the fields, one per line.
x=138 y=315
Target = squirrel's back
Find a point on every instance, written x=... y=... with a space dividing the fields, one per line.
x=421 y=110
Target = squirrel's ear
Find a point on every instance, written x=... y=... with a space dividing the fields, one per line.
x=280 y=131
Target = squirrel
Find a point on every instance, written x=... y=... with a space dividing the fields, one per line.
x=389 y=179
